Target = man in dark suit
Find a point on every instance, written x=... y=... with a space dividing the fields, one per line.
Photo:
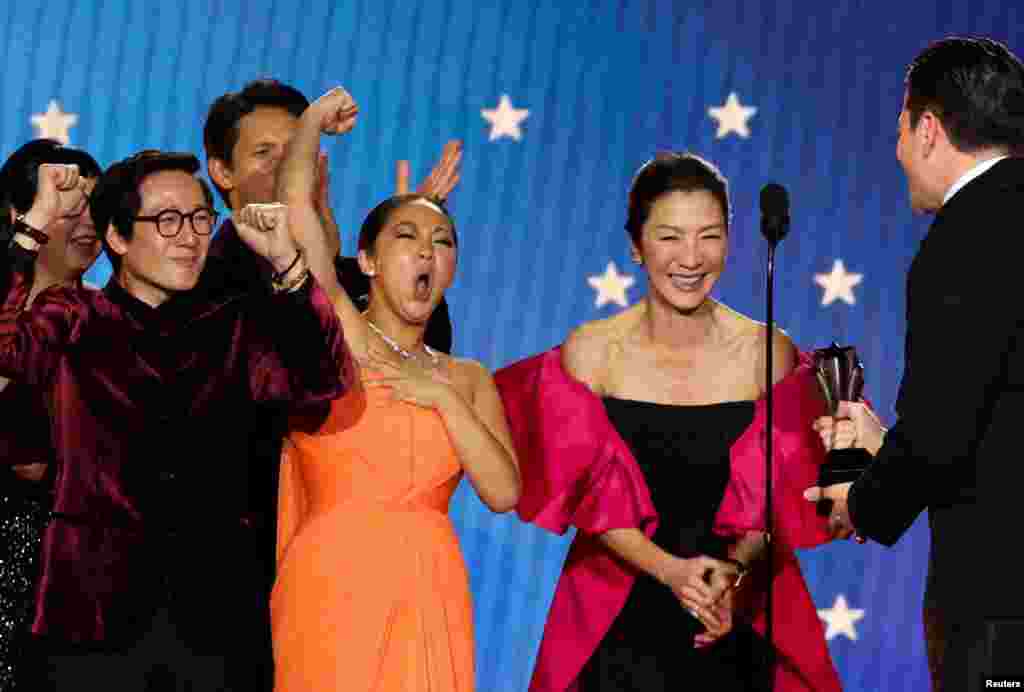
x=955 y=446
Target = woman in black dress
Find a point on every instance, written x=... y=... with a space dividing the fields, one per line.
x=72 y=247
x=679 y=374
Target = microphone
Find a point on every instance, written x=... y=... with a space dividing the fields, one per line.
x=774 y=227
x=774 y=212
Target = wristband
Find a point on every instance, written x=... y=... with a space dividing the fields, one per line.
x=21 y=226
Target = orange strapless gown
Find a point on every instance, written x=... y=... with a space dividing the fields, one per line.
x=372 y=593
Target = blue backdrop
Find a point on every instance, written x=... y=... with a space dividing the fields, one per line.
x=593 y=89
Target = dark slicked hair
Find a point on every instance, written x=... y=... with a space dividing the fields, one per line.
x=672 y=172
x=116 y=198
x=19 y=175
x=975 y=87
x=221 y=132
x=378 y=217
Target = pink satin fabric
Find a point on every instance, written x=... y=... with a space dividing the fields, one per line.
x=577 y=471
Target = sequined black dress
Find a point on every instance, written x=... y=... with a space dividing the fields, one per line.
x=24 y=512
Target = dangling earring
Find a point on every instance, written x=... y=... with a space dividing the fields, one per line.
x=638 y=259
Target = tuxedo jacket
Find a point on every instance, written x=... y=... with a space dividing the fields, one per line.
x=956 y=448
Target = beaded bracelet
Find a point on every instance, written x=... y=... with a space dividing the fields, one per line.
x=277 y=276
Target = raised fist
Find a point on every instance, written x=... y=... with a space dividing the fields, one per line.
x=264 y=228
x=336 y=111
x=59 y=190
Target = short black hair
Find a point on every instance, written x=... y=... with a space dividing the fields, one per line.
x=116 y=198
x=221 y=131
x=19 y=175
x=975 y=87
x=379 y=215
x=672 y=172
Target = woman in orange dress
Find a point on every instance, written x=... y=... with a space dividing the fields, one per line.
x=372 y=592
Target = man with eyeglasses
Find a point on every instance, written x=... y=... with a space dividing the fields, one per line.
x=153 y=567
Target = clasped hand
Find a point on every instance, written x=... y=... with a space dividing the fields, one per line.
x=704 y=586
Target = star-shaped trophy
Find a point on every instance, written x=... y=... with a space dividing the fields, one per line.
x=841 y=378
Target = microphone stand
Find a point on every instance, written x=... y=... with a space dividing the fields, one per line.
x=769 y=443
x=774 y=227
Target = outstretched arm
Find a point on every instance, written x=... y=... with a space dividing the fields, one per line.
x=333 y=113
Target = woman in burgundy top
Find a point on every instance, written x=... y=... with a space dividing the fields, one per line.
x=25 y=447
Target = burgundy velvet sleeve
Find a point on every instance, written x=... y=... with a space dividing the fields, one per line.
x=32 y=341
x=298 y=355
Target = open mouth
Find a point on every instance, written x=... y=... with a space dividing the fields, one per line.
x=421 y=288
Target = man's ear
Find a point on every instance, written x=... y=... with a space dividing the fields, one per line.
x=115 y=241
x=928 y=131
x=367 y=264
x=220 y=173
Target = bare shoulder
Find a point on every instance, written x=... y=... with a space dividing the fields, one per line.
x=471 y=370
x=468 y=375
x=752 y=334
x=586 y=352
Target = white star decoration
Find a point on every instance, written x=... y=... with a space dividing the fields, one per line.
x=840 y=619
x=505 y=119
x=54 y=123
x=838 y=284
x=732 y=117
x=611 y=286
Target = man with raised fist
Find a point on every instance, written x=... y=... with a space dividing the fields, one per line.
x=153 y=568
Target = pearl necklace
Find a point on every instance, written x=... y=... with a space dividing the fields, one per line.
x=434 y=358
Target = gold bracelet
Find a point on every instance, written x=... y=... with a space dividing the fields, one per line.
x=293 y=285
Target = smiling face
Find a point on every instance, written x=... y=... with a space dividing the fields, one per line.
x=154 y=267
x=251 y=175
x=683 y=245
x=74 y=243
x=412 y=261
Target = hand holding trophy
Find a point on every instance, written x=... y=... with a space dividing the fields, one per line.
x=840 y=375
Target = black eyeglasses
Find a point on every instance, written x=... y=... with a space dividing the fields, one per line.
x=169 y=222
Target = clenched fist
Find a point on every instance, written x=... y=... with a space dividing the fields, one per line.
x=264 y=228
x=336 y=111
x=59 y=190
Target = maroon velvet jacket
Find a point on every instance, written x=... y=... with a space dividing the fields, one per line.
x=25 y=432
x=153 y=481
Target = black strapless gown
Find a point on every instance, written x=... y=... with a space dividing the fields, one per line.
x=683 y=452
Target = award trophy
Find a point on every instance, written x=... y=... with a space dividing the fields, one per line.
x=841 y=378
